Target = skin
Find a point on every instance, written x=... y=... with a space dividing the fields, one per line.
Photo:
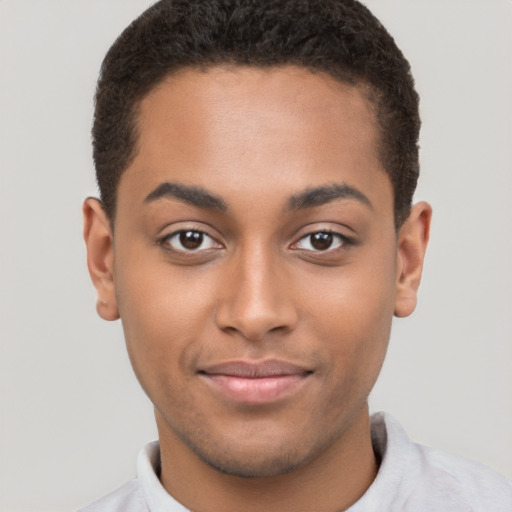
x=257 y=288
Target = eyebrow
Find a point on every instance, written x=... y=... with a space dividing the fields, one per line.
x=319 y=196
x=195 y=196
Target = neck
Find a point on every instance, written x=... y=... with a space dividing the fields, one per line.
x=332 y=482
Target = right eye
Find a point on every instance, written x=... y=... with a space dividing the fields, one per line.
x=189 y=240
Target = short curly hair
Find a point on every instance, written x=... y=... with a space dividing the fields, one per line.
x=339 y=37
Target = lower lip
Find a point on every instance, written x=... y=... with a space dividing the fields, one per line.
x=255 y=390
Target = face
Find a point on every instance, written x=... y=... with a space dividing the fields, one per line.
x=255 y=263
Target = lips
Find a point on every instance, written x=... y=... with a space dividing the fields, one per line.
x=255 y=383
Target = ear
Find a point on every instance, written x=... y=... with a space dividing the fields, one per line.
x=99 y=241
x=412 y=244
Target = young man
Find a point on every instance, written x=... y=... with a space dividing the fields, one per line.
x=255 y=235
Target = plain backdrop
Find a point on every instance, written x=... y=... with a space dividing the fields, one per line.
x=72 y=415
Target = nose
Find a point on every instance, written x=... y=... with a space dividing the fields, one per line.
x=256 y=299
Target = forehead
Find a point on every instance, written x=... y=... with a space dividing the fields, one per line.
x=234 y=129
x=261 y=102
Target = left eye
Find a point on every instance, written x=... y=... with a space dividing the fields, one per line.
x=189 y=240
x=320 y=241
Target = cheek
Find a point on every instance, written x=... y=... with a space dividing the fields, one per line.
x=357 y=300
x=164 y=313
x=352 y=319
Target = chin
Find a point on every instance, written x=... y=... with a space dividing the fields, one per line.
x=248 y=466
x=256 y=456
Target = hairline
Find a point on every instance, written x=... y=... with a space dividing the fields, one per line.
x=370 y=92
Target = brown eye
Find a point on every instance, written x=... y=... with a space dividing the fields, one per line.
x=191 y=239
x=321 y=241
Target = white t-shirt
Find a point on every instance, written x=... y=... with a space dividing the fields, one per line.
x=411 y=478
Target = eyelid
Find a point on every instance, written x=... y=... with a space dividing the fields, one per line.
x=344 y=241
x=165 y=239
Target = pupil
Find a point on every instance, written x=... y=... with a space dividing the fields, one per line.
x=191 y=239
x=321 y=241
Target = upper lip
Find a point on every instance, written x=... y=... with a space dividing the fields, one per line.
x=255 y=370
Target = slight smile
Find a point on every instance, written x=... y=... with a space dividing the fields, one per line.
x=255 y=383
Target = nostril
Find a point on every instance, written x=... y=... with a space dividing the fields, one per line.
x=280 y=328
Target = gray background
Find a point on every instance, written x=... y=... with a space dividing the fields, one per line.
x=72 y=415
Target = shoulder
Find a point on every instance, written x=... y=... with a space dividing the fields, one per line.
x=142 y=494
x=128 y=498
x=445 y=476
x=433 y=480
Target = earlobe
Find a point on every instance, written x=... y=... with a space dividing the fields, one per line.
x=100 y=257
x=412 y=244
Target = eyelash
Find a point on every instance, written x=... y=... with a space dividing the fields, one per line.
x=343 y=241
x=166 y=240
